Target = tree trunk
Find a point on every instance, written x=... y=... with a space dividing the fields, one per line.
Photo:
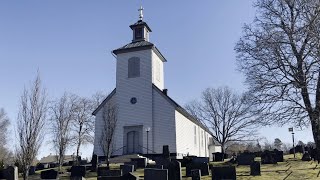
x=316 y=135
x=78 y=148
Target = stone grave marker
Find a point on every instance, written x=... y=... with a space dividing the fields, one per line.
x=196 y=174
x=32 y=170
x=49 y=174
x=94 y=163
x=245 y=158
x=217 y=156
x=204 y=168
x=2 y=174
x=125 y=169
x=102 y=171
x=141 y=162
x=11 y=173
x=268 y=157
x=155 y=174
x=255 y=169
x=306 y=157
x=78 y=171
x=134 y=163
x=278 y=155
x=200 y=160
x=129 y=176
x=165 y=151
x=109 y=178
x=224 y=172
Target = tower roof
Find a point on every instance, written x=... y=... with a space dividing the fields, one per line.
x=140 y=23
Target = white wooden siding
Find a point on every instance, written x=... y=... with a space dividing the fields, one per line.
x=156 y=61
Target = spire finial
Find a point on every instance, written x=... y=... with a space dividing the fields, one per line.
x=141 y=13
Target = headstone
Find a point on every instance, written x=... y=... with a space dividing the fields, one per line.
x=174 y=170
x=200 y=160
x=217 y=156
x=2 y=174
x=134 y=163
x=11 y=173
x=78 y=171
x=306 y=157
x=155 y=166
x=278 y=155
x=102 y=171
x=52 y=165
x=268 y=157
x=224 y=172
x=32 y=170
x=109 y=178
x=204 y=168
x=126 y=169
x=155 y=174
x=49 y=174
x=196 y=174
x=71 y=163
x=141 y=162
x=129 y=176
x=165 y=151
x=245 y=158
x=94 y=163
x=255 y=168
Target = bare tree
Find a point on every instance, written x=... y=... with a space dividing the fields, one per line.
x=109 y=119
x=279 y=55
x=31 y=120
x=83 y=126
x=4 y=123
x=61 y=116
x=277 y=144
x=228 y=116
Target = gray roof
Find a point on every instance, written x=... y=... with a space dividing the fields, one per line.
x=140 y=23
x=138 y=46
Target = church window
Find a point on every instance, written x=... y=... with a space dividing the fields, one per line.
x=195 y=135
x=134 y=67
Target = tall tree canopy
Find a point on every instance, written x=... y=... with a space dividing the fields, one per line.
x=279 y=55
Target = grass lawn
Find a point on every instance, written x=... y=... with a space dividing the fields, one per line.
x=289 y=169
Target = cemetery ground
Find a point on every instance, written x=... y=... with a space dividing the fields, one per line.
x=289 y=169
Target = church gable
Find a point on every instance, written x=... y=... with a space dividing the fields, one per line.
x=113 y=92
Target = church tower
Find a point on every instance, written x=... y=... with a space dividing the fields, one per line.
x=139 y=67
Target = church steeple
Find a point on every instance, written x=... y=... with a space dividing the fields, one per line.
x=140 y=29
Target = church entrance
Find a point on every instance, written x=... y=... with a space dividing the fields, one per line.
x=132 y=139
x=132 y=142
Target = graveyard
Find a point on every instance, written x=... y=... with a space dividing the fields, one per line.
x=290 y=168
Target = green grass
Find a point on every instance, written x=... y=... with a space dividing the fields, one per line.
x=289 y=169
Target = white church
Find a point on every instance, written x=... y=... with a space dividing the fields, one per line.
x=147 y=118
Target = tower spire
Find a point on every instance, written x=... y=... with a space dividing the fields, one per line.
x=141 y=13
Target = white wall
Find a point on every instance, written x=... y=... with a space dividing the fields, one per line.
x=186 y=138
x=157 y=70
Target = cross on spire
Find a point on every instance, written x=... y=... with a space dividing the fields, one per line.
x=141 y=13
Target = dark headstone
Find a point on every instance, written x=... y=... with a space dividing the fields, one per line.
x=32 y=170
x=217 y=156
x=200 y=160
x=306 y=157
x=224 y=172
x=102 y=171
x=278 y=155
x=134 y=163
x=141 y=162
x=11 y=173
x=196 y=174
x=255 y=168
x=155 y=174
x=94 y=163
x=102 y=159
x=49 y=174
x=155 y=166
x=109 y=178
x=268 y=157
x=174 y=170
x=71 y=163
x=129 y=176
x=245 y=158
x=125 y=169
x=204 y=168
x=78 y=171
x=2 y=174
x=165 y=151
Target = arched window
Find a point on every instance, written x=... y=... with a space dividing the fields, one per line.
x=134 y=67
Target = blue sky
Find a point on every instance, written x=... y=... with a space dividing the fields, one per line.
x=70 y=42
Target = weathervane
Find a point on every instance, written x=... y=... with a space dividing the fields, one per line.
x=141 y=13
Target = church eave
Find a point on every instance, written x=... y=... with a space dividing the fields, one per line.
x=140 y=48
x=104 y=102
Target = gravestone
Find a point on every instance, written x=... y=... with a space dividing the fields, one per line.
x=196 y=174
x=11 y=173
x=204 y=168
x=134 y=163
x=141 y=162
x=32 y=170
x=200 y=160
x=2 y=174
x=278 y=155
x=306 y=157
x=245 y=158
x=78 y=171
x=268 y=157
x=49 y=174
x=94 y=163
x=129 y=176
x=102 y=171
x=174 y=170
x=224 y=172
x=165 y=151
x=155 y=174
x=125 y=169
x=109 y=178
x=217 y=156
x=155 y=166
x=255 y=168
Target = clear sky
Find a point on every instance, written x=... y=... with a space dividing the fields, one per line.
x=70 y=42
